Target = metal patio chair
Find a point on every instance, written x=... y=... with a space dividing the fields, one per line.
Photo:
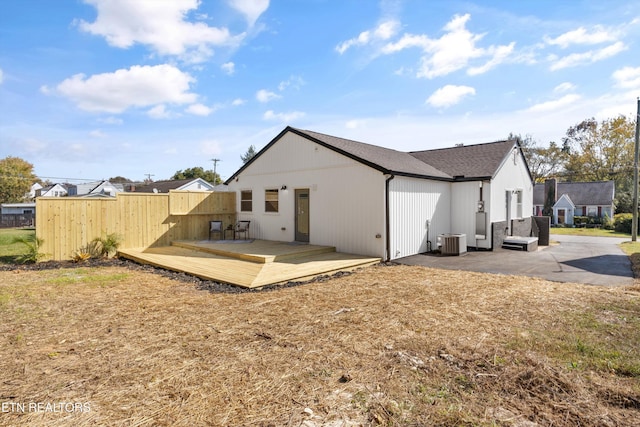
x=215 y=227
x=242 y=227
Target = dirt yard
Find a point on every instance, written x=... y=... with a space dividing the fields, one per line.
x=387 y=345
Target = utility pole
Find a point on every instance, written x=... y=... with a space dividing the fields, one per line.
x=149 y=175
x=634 y=222
x=215 y=163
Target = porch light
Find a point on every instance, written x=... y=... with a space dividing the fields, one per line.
x=284 y=187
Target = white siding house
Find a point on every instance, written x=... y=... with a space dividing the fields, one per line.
x=191 y=184
x=55 y=190
x=309 y=187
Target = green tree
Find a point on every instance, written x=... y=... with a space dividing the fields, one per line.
x=198 y=172
x=16 y=178
x=250 y=154
x=543 y=162
x=119 y=180
x=603 y=151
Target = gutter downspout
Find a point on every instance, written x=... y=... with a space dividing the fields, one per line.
x=387 y=221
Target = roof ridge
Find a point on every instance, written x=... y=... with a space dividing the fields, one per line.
x=458 y=147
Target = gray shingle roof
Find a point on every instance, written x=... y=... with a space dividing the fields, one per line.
x=479 y=161
x=385 y=158
x=162 y=186
x=468 y=161
x=581 y=193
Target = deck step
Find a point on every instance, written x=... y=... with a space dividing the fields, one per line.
x=256 y=251
x=525 y=243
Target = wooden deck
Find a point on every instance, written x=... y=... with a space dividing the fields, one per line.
x=250 y=264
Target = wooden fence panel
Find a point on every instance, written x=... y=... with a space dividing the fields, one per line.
x=17 y=220
x=67 y=224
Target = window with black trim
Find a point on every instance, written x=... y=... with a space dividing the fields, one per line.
x=271 y=200
x=246 y=201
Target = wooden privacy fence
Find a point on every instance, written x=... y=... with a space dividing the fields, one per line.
x=17 y=220
x=66 y=224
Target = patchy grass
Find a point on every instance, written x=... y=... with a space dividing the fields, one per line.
x=389 y=346
x=10 y=250
x=592 y=232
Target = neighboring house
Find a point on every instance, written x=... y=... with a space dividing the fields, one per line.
x=309 y=187
x=17 y=208
x=32 y=193
x=192 y=184
x=55 y=190
x=95 y=189
x=17 y=214
x=571 y=199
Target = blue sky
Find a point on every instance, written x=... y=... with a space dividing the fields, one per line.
x=93 y=89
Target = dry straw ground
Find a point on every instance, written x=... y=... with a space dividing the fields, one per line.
x=388 y=345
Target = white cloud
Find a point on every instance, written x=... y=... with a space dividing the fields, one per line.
x=238 y=101
x=382 y=32
x=159 y=112
x=199 y=110
x=111 y=120
x=139 y=86
x=498 y=56
x=229 y=68
x=355 y=123
x=251 y=9
x=33 y=146
x=160 y=25
x=295 y=82
x=283 y=117
x=557 y=104
x=265 y=96
x=453 y=51
x=627 y=77
x=582 y=36
x=564 y=87
x=584 y=58
x=97 y=133
x=449 y=95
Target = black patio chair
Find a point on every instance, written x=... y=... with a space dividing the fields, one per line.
x=242 y=227
x=215 y=227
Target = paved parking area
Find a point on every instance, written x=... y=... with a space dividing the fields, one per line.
x=577 y=259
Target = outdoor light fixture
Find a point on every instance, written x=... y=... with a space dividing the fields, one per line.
x=284 y=187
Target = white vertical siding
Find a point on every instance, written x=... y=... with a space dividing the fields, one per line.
x=464 y=205
x=346 y=198
x=512 y=175
x=414 y=203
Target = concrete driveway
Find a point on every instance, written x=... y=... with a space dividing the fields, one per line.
x=577 y=259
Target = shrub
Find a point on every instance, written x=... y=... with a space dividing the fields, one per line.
x=580 y=221
x=607 y=224
x=32 y=254
x=105 y=246
x=622 y=222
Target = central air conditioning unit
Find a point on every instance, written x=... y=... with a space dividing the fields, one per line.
x=452 y=244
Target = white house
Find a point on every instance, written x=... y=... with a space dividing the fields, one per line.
x=191 y=184
x=32 y=193
x=55 y=190
x=306 y=186
x=95 y=189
